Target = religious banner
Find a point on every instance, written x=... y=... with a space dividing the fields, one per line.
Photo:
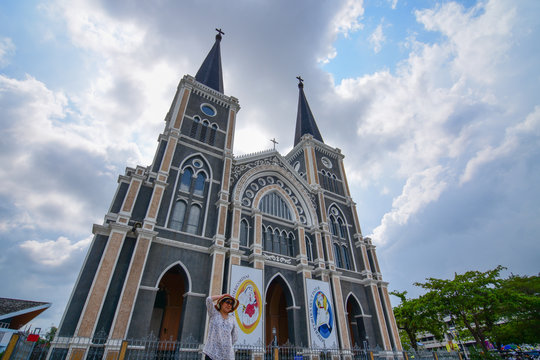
x=246 y=283
x=322 y=323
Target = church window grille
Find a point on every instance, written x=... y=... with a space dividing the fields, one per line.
x=244 y=233
x=185 y=182
x=290 y=245
x=213 y=131
x=194 y=126
x=275 y=242
x=279 y=242
x=346 y=262
x=199 y=185
x=192 y=226
x=268 y=239
x=337 y=254
x=179 y=212
x=274 y=204
x=309 y=248
x=341 y=228
x=204 y=129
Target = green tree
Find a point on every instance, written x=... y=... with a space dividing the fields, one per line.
x=414 y=316
x=473 y=300
x=520 y=311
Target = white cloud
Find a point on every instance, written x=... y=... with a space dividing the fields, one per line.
x=54 y=252
x=377 y=38
x=7 y=49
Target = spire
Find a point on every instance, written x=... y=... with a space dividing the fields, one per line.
x=210 y=71
x=305 y=122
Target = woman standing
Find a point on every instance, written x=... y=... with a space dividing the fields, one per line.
x=222 y=333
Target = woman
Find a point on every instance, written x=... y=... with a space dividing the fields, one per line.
x=222 y=333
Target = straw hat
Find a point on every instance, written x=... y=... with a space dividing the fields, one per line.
x=226 y=297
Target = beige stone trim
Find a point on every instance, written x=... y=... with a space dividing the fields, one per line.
x=365 y=257
x=320 y=251
x=236 y=224
x=154 y=204
x=230 y=130
x=380 y=317
x=222 y=217
x=133 y=190
x=181 y=110
x=308 y=167
x=322 y=208
x=340 y=312
x=77 y=354
x=100 y=285
x=217 y=274
x=392 y=320
x=258 y=229
x=131 y=286
x=226 y=175
x=314 y=166
x=167 y=158
x=302 y=241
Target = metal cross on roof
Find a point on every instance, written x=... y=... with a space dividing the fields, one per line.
x=275 y=142
x=300 y=79
x=220 y=32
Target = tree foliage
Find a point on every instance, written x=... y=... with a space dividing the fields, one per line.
x=478 y=303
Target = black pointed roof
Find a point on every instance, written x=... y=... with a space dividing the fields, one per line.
x=210 y=71
x=305 y=122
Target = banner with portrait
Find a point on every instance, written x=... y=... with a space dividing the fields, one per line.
x=321 y=313
x=247 y=287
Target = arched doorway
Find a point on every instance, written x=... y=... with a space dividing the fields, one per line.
x=276 y=317
x=355 y=320
x=167 y=311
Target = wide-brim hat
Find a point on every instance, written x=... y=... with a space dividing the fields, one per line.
x=225 y=297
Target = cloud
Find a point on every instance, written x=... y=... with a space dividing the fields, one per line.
x=54 y=252
x=7 y=49
x=377 y=38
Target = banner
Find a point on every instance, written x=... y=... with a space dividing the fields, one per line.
x=246 y=285
x=322 y=317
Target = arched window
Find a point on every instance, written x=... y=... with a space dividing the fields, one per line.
x=309 y=249
x=290 y=243
x=274 y=204
x=268 y=239
x=244 y=233
x=204 y=128
x=199 y=184
x=192 y=225
x=194 y=126
x=283 y=247
x=177 y=219
x=334 y=226
x=346 y=262
x=213 y=131
x=341 y=228
x=185 y=182
x=337 y=253
x=275 y=241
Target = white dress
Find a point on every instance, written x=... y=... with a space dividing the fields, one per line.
x=222 y=334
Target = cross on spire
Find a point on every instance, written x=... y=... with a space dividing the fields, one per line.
x=300 y=81
x=275 y=142
x=220 y=32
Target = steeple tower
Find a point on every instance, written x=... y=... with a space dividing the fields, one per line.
x=305 y=122
x=210 y=73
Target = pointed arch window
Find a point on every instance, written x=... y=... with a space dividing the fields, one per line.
x=177 y=219
x=185 y=182
x=192 y=225
x=213 y=130
x=199 y=184
x=244 y=233
x=346 y=262
x=195 y=126
x=309 y=248
x=274 y=204
x=204 y=129
x=268 y=239
x=337 y=254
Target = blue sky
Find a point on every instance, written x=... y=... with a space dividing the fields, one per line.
x=434 y=104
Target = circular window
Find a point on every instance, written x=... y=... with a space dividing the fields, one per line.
x=197 y=163
x=208 y=109
x=326 y=162
x=296 y=166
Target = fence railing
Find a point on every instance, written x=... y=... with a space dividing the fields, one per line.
x=63 y=348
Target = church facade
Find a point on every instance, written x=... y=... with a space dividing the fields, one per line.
x=179 y=230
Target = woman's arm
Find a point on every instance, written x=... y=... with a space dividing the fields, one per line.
x=234 y=333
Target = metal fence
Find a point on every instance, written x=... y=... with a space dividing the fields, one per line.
x=151 y=348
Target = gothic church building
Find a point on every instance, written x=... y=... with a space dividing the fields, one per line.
x=175 y=229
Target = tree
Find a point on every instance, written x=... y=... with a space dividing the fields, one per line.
x=520 y=311
x=473 y=300
x=414 y=316
x=49 y=335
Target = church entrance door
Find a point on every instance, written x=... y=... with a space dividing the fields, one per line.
x=167 y=310
x=355 y=319
x=277 y=320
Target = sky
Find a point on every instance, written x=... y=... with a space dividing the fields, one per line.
x=435 y=105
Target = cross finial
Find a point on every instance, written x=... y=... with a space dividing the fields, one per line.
x=220 y=32
x=300 y=81
x=275 y=142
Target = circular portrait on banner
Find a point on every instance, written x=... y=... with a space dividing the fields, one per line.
x=322 y=314
x=249 y=311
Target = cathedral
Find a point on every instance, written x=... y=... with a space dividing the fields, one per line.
x=278 y=232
